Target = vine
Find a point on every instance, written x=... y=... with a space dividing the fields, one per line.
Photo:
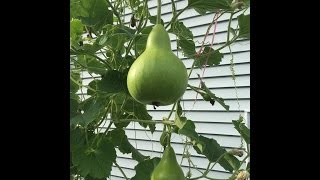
x=108 y=52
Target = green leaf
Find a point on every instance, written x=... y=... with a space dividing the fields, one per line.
x=74 y=106
x=201 y=11
x=95 y=66
x=112 y=82
x=91 y=114
x=180 y=121
x=153 y=20
x=116 y=41
x=140 y=43
x=76 y=30
x=232 y=160
x=211 y=6
x=120 y=140
x=188 y=130
x=244 y=26
x=145 y=168
x=77 y=138
x=92 y=12
x=208 y=57
x=188 y=47
x=93 y=85
x=74 y=87
x=96 y=161
x=242 y=129
x=212 y=150
x=138 y=111
x=179 y=109
x=91 y=48
x=233 y=31
x=136 y=155
x=92 y=178
x=180 y=30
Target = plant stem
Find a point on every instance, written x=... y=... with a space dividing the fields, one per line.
x=240 y=165
x=81 y=85
x=146 y=121
x=115 y=12
x=174 y=11
x=124 y=175
x=176 y=16
x=142 y=14
x=218 y=160
x=171 y=111
x=159 y=12
x=229 y=26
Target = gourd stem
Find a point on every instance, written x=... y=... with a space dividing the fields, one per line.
x=159 y=12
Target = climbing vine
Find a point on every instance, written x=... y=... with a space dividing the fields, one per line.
x=104 y=46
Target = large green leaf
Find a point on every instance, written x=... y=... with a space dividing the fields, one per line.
x=120 y=140
x=76 y=30
x=92 y=12
x=77 y=138
x=93 y=85
x=242 y=129
x=244 y=26
x=95 y=161
x=137 y=110
x=74 y=87
x=188 y=47
x=188 y=130
x=208 y=57
x=95 y=66
x=91 y=114
x=212 y=150
x=136 y=155
x=145 y=168
x=180 y=30
x=209 y=5
x=112 y=82
x=74 y=106
x=153 y=20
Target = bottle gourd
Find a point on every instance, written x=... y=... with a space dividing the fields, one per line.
x=168 y=167
x=157 y=77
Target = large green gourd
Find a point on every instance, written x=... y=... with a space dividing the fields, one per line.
x=157 y=77
x=168 y=167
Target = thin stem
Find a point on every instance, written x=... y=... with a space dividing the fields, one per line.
x=104 y=133
x=124 y=175
x=174 y=11
x=218 y=160
x=115 y=12
x=176 y=16
x=79 y=84
x=215 y=19
x=184 y=150
x=174 y=105
x=159 y=12
x=143 y=12
x=229 y=25
x=89 y=32
x=146 y=121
